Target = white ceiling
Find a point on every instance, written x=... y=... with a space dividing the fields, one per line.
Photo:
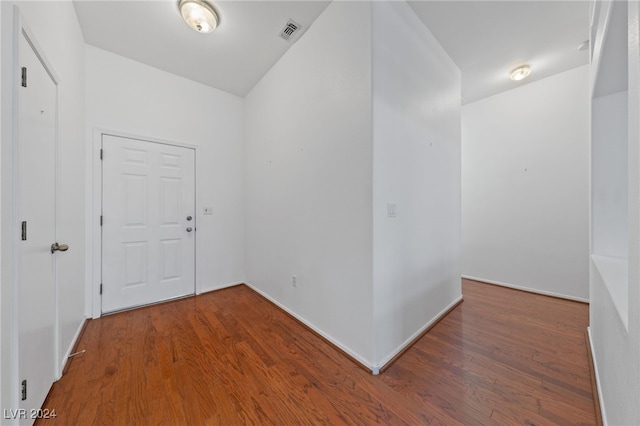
x=485 y=38
x=232 y=58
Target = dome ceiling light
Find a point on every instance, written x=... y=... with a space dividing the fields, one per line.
x=199 y=15
x=520 y=73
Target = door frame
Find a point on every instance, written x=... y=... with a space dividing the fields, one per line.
x=20 y=28
x=94 y=229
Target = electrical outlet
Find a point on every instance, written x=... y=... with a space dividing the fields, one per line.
x=294 y=281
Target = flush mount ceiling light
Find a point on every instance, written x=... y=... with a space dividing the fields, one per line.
x=199 y=15
x=520 y=73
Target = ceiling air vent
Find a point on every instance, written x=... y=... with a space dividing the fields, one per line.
x=289 y=30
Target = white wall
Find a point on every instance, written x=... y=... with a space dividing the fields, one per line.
x=609 y=175
x=4 y=334
x=616 y=345
x=334 y=132
x=609 y=196
x=525 y=159
x=129 y=97
x=309 y=179
x=56 y=30
x=416 y=134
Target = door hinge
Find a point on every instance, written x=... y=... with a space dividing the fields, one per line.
x=24 y=390
x=24 y=76
x=24 y=230
x=101 y=153
x=101 y=288
x=100 y=220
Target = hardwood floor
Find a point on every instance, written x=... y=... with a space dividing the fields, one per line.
x=231 y=357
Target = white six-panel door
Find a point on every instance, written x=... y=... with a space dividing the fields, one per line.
x=148 y=230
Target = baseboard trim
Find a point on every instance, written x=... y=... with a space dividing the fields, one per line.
x=358 y=360
x=527 y=289
x=393 y=357
x=595 y=381
x=218 y=287
x=73 y=348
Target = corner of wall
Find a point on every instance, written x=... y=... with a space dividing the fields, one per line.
x=416 y=138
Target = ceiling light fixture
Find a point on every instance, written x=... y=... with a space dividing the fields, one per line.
x=199 y=15
x=520 y=73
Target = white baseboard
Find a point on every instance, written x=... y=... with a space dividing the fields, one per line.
x=597 y=378
x=63 y=364
x=410 y=340
x=375 y=369
x=355 y=356
x=528 y=289
x=207 y=289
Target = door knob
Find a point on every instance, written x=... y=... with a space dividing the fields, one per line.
x=59 y=247
x=189 y=218
x=189 y=229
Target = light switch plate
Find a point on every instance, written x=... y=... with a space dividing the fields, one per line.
x=391 y=210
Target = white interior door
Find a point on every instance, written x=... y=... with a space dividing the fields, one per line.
x=148 y=228
x=36 y=212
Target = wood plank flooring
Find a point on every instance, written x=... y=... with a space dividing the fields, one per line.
x=502 y=357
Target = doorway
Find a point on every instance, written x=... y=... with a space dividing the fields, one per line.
x=148 y=222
